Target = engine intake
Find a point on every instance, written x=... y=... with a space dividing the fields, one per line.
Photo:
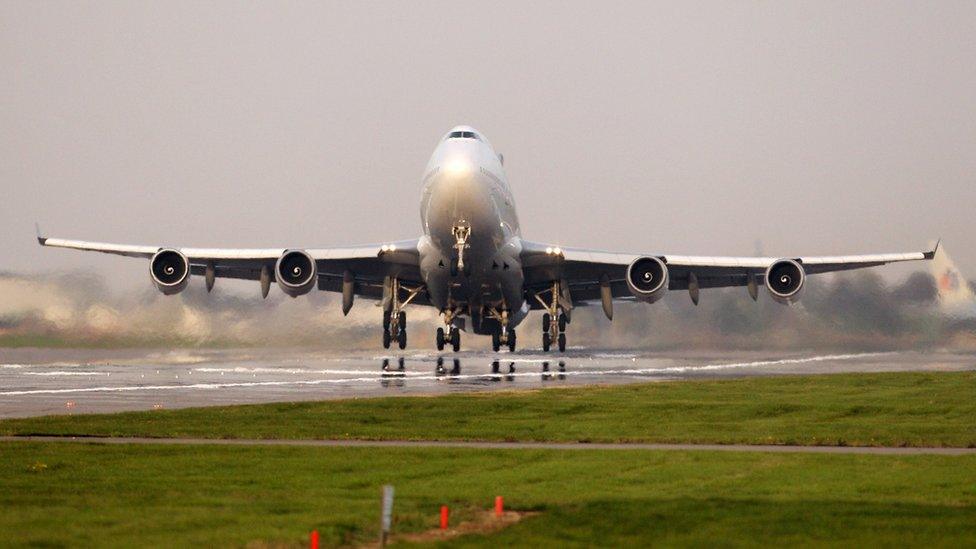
x=647 y=279
x=295 y=272
x=784 y=280
x=170 y=271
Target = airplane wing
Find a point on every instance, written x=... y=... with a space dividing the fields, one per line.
x=366 y=266
x=586 y=272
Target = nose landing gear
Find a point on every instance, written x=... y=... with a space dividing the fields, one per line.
x=461 y=232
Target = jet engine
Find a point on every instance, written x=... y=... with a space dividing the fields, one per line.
x=784 y=280
x=170 y=271
x=647 y=279
x=295 y=272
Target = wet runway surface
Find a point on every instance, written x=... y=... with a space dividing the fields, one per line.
x=36 y=382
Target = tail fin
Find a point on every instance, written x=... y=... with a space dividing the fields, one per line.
x=954 y=289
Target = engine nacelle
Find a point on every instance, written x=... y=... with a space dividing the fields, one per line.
x=170 y=271
x=296 y=273
x=647 y=279
x=784 y=280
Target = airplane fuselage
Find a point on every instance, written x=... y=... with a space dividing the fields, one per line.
x=470 y=251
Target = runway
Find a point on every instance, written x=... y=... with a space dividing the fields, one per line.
x=762 y=448
x=38 y=382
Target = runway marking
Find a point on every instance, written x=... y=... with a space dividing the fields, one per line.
x=766 y=448
x=62 y=373
x=394 y=374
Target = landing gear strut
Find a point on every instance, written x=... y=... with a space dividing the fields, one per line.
x=554 y=320
x=394 y=318
x=452 y=336
x=505 y=335
x=461 y=232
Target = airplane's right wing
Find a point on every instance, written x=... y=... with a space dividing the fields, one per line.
x=365 y=267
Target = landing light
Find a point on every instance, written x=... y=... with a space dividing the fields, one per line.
x=458 y=165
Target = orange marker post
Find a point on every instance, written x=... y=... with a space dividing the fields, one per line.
x=443 y=517
x=313 y=539
x=499 y=506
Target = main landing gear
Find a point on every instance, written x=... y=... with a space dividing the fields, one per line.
x=451 y=336
x=394 y=318
x=554 y=320
x=504 y=335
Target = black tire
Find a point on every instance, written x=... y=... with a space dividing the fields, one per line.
x=546 y=319
x=403 y=321
x=456 y=340
x=386 y=339
x=546 y=341
x=562 y=322
x=386 y=321
x=440 y=339
x=562 y=343
x=496 y=342
x=511 y=341
x=454 y=267
x=402 y=338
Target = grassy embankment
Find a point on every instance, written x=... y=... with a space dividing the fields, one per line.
x=86 y=494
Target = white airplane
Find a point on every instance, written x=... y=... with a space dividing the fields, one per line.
x=956 y=298
x=471 y=262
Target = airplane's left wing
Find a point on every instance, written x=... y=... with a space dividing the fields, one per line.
x=593 y=275
x=366 y=267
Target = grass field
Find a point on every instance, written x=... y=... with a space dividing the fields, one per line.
x=85 y=494
x=892 y=409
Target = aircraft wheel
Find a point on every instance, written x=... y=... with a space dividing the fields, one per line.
x=546 y=341
x=386 y=321
x=562 y=343
x=511 y=341
x=440 y=339
x=386 y=339
x=496 y=342
x=546 y=319
x=402 y=338
x=402 y=319
x=456 y=339
x=562 y=322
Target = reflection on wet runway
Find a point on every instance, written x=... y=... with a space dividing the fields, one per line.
x=218 y=378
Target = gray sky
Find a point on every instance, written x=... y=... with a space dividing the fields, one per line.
x=818 y=127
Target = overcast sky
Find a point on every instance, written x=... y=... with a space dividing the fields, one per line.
x=817 y=127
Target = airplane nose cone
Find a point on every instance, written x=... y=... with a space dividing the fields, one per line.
x=458 y=166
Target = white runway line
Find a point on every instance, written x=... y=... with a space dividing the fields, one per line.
x=62 y=373
x=393 y=375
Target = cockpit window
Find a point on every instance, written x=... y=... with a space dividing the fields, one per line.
x=463 y=135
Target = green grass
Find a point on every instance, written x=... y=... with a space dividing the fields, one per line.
x=891 y=409
x=56 y=494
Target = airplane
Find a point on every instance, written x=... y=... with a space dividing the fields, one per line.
x=473 y=265
x=956 y=297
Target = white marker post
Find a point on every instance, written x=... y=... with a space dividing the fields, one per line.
x=387 y=514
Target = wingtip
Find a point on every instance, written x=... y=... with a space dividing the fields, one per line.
x=42 y=240
x=931 y=254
